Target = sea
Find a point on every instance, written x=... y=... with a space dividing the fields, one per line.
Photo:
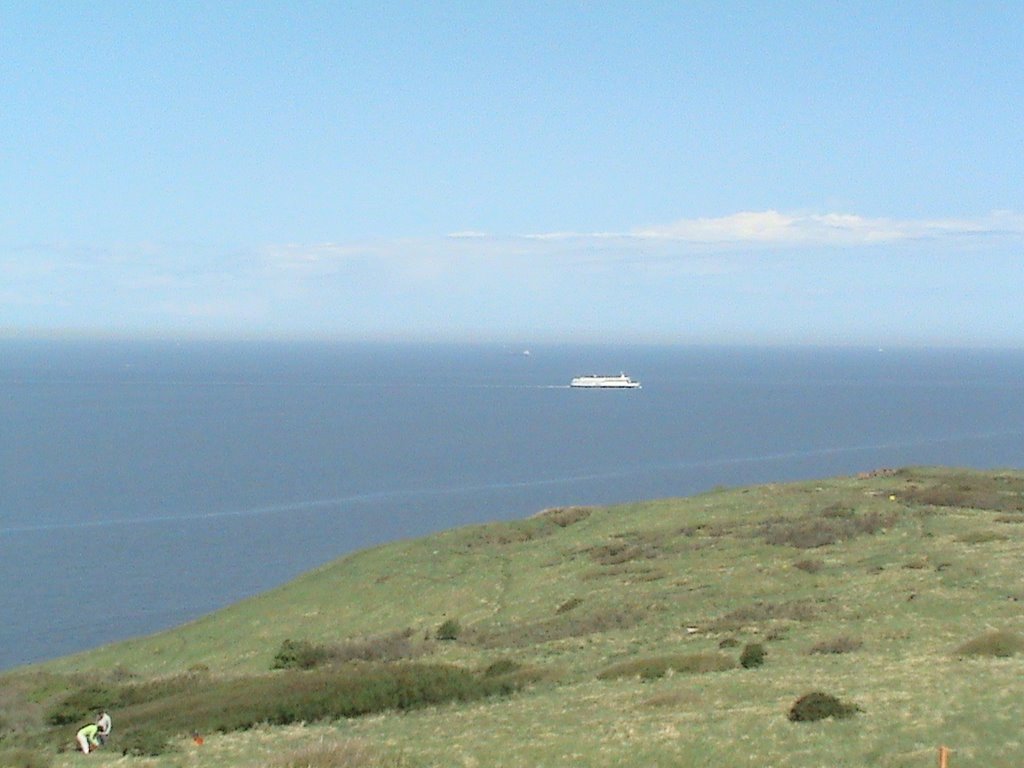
x=146 y=483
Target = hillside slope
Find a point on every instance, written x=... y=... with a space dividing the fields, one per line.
x=624 y=626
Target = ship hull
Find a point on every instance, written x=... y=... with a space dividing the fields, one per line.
x=621 y=381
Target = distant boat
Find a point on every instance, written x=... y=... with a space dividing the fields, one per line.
x=622 y=381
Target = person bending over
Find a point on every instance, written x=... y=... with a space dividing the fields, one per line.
x=87 y=738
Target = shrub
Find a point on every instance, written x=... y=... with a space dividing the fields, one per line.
x=24 y=758
x=502 y=667
x=809 y=566
x=1001 y=643
x=368 y=690
x=449 y=630
x=658 y=666
x=350 y=754
x=83 y=704
x=391 y=646
x=568 y=605
x=675 y=699
x=291 y=696
x=572 y=624
x=752 y=656
x=1013 y=519
x=760 y=613
x=981 y=537
x=819 y=706
x=837 y=512
x=836 y=645
x=565 y=516
x=830 y=526
x=517 y=676
x=503 y=534
x=121 y=674
x=998 y=493
x=619 y=552
x=142 y=692
x=874 y=522
x=144 y=743
x=300 y=654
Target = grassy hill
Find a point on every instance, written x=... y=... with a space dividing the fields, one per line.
x=596 y=637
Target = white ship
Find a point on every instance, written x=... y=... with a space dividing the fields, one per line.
x=622 y=381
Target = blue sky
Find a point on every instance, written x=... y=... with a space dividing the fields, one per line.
x=794 y=173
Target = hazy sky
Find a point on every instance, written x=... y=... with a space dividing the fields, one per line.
x=768 y=172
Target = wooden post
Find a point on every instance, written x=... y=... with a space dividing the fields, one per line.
x=943 y=757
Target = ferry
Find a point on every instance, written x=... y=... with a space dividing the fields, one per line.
x=622 y=381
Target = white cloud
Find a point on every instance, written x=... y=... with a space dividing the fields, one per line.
x=799 y=229
x=683 y=240
x=748 y=266
x=467 y=234
x=287 y=255
x=773 y=227
x=696 y=247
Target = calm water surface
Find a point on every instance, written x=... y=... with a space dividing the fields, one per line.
x=144 y=484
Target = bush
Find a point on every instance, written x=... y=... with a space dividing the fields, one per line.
x=350 y=754
x=970 y=491
x=658 y=666
x=449 y=630
x=391 y=646
x=502 y=667
x=121 y=674
x=82 y=705
x=619 y=552
x=374 y=689
x=571 y=624
x=1012 y=519
x=981 y=537
x=837 y=512
x=762 y=613
x=300 y=654
x=831 y=526
x=752 y=656
x=144 y=743
x=565 y=516
x=24 y=758
x=1001 y=644
x=836 y=645
x=291 y=696
x=568 y=605
x=809 y=566
x=152 y=714
x=819 y=706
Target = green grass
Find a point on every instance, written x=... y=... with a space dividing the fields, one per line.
x=620 y=630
